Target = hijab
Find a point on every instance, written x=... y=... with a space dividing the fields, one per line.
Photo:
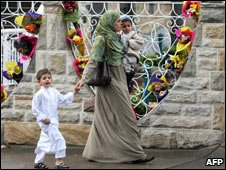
x=105 y=28
x=106 y=24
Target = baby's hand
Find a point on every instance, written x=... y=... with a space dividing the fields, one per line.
x=46 y=121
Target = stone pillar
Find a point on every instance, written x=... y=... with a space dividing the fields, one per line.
x=18 y=125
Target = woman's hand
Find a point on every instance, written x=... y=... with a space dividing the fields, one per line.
x=79 y=85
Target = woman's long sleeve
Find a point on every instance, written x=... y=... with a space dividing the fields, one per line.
x=96 y=56
x=89 y=69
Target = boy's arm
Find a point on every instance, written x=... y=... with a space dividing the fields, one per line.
x=136 y=42
x=65 y=99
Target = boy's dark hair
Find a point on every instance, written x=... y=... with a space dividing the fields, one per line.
x=127 y=20
x=42 y=72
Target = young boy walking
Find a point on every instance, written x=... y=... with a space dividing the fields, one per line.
x=44 y=106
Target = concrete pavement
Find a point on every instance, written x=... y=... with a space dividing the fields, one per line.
x=22 y=157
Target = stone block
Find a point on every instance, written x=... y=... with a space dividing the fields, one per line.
x=12 y=115
x=58 y=79
x=190 y=69
x=202 y=83
x=168 y=109
x=28 y=133
x=57 y=62
x=181 y=97
x=158 y=138
x=8 y=103
x=182 y=122
x=212 y=97
x=87 y=118
x=221 y=60
x=213 y=31
x=197 y=110
x=218 y=17
x=24 y=89
x=68 y=117
x=219 y=117
x=188 y=139
x=184 y=83
x=23 y=104
x=89 y=104
x=217 y=80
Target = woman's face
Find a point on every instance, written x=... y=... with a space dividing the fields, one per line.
x=118 y=26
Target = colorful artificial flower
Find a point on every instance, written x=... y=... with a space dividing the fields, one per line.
x=14 y=71
x=30 y=21
x=70 y=12
x=70 y=6
x=175 y=62
x=185 y=36
x=4 y=94
x=25 y=45
x=191 y=8
x=75 y=37
x=79 y=64
x=159 y=87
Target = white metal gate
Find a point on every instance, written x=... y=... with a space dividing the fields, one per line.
x=10 y=32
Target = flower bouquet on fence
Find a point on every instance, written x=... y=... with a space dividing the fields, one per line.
x=14 y=71
x=30 y=21
x=25 y=45
x=191 y=8
x=79 y=64
x=185 y=37
x=76 y=38
x=158 y=86
x=70 y=12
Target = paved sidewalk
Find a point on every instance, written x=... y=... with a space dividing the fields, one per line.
x=22 y=157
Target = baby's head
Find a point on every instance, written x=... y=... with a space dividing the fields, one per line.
x=126 y=25
x=44 y=77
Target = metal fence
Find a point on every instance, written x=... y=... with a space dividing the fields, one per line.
x=10 y=32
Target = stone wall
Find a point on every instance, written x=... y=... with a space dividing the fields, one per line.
x=191 y=116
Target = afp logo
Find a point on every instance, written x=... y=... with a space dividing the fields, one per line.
x=214 y=161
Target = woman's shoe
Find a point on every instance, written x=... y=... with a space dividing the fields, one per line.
x=90 y=160
x=144 y=160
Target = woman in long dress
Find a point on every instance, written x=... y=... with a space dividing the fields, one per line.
x=113 y=135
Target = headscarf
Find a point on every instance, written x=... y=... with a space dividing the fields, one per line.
x=105 y=36
x=106 y=24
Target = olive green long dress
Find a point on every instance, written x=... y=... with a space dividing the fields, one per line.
x=113 y=135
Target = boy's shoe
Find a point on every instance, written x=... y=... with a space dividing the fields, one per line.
x=62 y=166
x=41 y=165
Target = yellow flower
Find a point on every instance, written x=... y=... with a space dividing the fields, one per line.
x=76 y=39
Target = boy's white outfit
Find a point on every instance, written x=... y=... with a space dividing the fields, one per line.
x=44 y=105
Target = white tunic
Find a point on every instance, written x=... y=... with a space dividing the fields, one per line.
x=44 y=105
